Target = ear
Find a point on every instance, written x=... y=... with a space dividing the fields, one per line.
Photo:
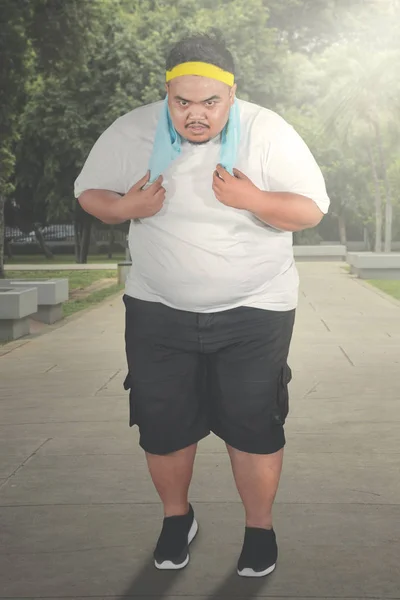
x=166 y=87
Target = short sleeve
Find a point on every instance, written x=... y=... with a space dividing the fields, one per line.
x=291 y=167
x=105 y=167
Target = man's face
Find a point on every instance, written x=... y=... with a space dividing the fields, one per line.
x=199 y=106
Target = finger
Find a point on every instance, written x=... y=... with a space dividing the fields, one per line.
x=239 y=174
x=153 y=188
x=216 y=191
x=142 y=182
x=217 y=175
x=156 y=184
x=160 y=194
x=217 y=179
x=223 y=173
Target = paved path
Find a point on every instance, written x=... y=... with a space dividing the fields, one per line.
x=79 y=516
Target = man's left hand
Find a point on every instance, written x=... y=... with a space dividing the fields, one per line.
x=235 y=190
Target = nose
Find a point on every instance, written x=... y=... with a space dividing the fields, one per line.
x=197 y=113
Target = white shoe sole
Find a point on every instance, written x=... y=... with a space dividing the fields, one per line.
x=168 y=565
x=251 y=573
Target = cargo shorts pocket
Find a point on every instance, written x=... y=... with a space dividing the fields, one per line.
x=281 y=406
x=132 y=409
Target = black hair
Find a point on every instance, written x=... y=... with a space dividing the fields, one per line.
x=209 y=48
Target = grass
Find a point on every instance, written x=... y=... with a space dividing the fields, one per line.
x=389 y=286
x=77 y=280
x=73 y=306
x=62 y=259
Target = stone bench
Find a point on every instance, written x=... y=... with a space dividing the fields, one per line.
x=335 y=252
x=51 y=295
x=123 y=271
x=16 y=306
x=374 y=265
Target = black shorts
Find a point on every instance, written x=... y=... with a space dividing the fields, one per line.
x=193 y=373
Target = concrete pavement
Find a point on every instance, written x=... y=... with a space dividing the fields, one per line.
x=78 y=513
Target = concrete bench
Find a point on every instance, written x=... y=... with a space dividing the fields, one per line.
x=335 y=252
x=352 y=257
x=16 y=306
x=123 y=271
x=374 y=265
x=51 y=295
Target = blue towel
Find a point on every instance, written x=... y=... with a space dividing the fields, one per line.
x=167 y=142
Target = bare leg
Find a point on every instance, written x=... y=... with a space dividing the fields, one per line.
x=171 y=475
x=257 y=479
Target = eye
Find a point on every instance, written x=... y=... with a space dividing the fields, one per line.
x=183 y=103
x=210 y=103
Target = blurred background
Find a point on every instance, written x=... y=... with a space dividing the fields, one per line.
x=69 y=68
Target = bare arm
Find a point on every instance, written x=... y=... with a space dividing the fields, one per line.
x=102 y=204
x=112 y=208
x=284 y=210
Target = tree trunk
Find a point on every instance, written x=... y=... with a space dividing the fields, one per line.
x=77 y=238
x=342 y=229
x=378 y=202
x=367 y=241
x=388 y=192
x=43 y=246
x=85 y=242
x=388 y=224
x=111 y=239
x=2 y=236
x=7 y=249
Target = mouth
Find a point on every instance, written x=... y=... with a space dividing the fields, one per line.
x=196 y=128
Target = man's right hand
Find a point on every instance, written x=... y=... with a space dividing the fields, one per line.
x=139 y=203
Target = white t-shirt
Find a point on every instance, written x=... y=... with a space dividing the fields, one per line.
x=197 y=254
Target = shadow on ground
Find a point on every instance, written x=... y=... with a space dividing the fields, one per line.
x=156 y=584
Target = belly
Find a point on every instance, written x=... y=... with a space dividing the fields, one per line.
x=206 y=268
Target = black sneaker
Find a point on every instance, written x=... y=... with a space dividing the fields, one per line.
x=259 y=553
x=172 y=550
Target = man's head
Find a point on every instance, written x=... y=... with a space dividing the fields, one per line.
x=199 y=104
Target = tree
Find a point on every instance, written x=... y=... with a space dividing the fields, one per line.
x=344 y=169
x=362 y=98
x=60 y=35
x=312 y=26
x=83 y=64
x=125 y=68
x=14 y=66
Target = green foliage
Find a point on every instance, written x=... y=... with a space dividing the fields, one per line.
x=123 y=66
x=14 y=47
x=59 y=30
x=346 y=104
x=71 y=67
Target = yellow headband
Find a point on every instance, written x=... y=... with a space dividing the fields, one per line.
x=202 y=69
